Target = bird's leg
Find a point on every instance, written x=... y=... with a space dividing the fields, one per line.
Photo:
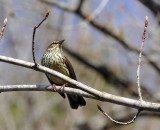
x=54 y=87
x=62 y=87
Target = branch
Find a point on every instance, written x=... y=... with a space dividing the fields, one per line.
x=119 y=122
x=112 y=124
x=109 y=76
x=140 y=60
x=34 y=32
x=3 y=28
x=105 y=31
x=102 y=96
x=10 y=88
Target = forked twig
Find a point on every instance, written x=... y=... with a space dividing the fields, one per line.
x=140 y=60
x=34 y=31
x=119 y=122
x=3 y=28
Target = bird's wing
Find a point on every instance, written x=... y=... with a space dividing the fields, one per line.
x=70 y=68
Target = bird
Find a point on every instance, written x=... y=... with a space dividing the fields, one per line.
x=55 y=59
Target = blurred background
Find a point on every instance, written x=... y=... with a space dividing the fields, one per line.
x=102 y=41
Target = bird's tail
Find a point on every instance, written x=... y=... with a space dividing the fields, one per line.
x=76 y=101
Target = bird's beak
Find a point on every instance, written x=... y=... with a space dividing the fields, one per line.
x=60 y=42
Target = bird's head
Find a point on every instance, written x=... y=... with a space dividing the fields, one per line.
x=55 y=45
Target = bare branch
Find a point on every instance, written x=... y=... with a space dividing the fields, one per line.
x=140 y=55
x=118 y=122
x=34 y=31
x=3 y=28
x=10 y=88
x=102 y=96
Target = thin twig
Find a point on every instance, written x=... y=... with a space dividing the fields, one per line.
x=140 y=60
x=119 y=122
x=111 y=124
x=3 y=28
x=34 y=31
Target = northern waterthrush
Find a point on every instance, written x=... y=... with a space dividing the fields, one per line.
x=54 y=59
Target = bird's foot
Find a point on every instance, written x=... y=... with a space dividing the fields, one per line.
x=62 y=87
x=54 y=87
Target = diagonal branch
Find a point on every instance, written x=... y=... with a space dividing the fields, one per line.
x=102 y=96
x=109 y=76
x=3 y=28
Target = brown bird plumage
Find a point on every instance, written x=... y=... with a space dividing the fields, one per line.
x=54 y=59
